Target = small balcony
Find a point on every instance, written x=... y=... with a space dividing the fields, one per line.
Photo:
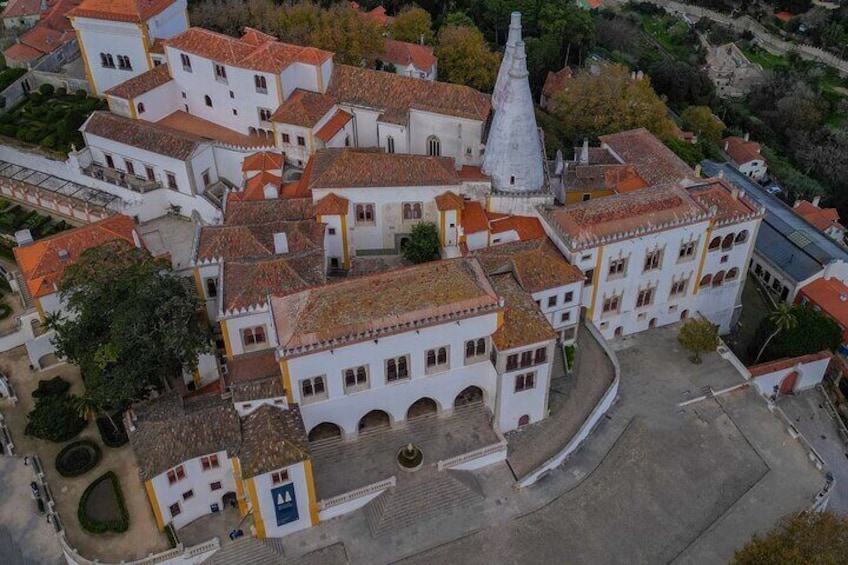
x=120 y=178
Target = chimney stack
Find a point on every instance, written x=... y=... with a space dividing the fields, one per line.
x=23 y=237
x=281 y=243
x=584 y=152
x=698 y=171
x=816 y=200
x=747 y=136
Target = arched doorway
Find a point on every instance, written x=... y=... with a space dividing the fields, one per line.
x=652 y=323
x=325 y=430
x=787 y=385
x=524 y=420
x=422 y=407
x=618 y=331
x=230 y=499
x=684 y=315
x=373 y=420
x=469 y=395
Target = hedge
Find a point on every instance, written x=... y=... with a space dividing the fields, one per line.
x=110 y=436
x=94 y=526
x=67 y=470
x=5 y=311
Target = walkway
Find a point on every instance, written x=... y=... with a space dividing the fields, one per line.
x=572 y=399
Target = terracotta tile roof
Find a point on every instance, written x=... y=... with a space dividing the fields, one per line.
x=554 y=81
x=600 y=156
x=273 y=438
x=472 y=173
x=536 y=264
x=588 y=178
x=348 y=167
x=143 y=135
x=304 y=108
x=361 y=308
x=262 y=161
x=254 y=187
x=252 y=241
x=332 y=205
x=474 y=218
x=523 y=322
x=648 y=210
x=248 y=283
x=449 y=201
x=195 y=126
x=41 y=264
x=831 y=295
x=254 y=50
x=787 y=363
x=396 y=95
x=654 y=162
x=170 y=431
x=145 y=82
x=784 y=16
x=742 y=151
x=379 y=15
x=158 y=47
x=246 y=368
x=333 y=125
x=22 y=53
x=120 y=10
x=261 y=212
x=403 y=53
x=822 y=218
x=527 y=227
x=727 y=200
x=22 y=8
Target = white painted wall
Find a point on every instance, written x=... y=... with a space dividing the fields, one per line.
x=264 y=484
x=158 y=103
x=512 y=404
x=115 y=38
x=235 y=324
x=809 y=375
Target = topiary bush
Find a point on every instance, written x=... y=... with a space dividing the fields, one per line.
x=47 y=89
x=112 y=437
x=5 y=310
x=78 y=458
x=54 y=387
x=101 y=508
x=54 y=416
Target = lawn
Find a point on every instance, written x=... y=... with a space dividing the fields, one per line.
x=50 y=118
x=672 y=34
x=762 y=57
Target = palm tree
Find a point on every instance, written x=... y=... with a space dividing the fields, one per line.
x=782 y=318
x=89 y=407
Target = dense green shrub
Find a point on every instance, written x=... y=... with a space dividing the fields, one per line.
x=47 y=89
x=814 y=332
x=56 y=386
x=5 y=310
x=54 y=416
x=78 y=458
x=111 y=436
x=95 y=526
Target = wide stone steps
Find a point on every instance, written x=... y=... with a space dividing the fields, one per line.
x=418 y=499
x=246 y=551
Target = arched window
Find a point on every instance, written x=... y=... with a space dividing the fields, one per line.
x=718 y=278
x=360 y=374
x=715 y=243
x=481 y=346
x=251 y=130
x=207 y=100
x=742 y=236
x=416 y=211
x=140 y=107
x=319 y=384
x=727 y=243
x=706 y=280
x=442 y=356
x=391 y=370
x=431 y=358
x=407 y=211
x=524 y=420
x=732 y=273
x=350 y=377
x=403 y=370
x=260 y=83
x=469 y=348
x=434 y=146
x=306 y=388
x=390 y=144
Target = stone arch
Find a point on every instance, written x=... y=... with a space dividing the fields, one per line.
x=684 y=315
x=422 y=407
x=742 y=236
x=715 y=243
x=325 y=430
x=706 y=280
x=524 y=420
x=727 y=242
x=373 y=420
x=619 y=331
x=469 y=395
x=652 y=323
x=718 y=278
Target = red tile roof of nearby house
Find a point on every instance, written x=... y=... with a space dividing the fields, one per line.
x=554 y=82
x=254 y=187
x=742 y=151
x=332 y=205
x=523 y=322
x=22 y=8
x=526 y=227
x=264 y=211
x=404 y=53
x=472 y=173
x=361 y=308
x=654 y=162
x=51 y=32
x=333 y=126
x=256 y=241
x=395 y=95
x=249 y=283
x=449 y=200
x=142 y=135
x=822 y=218
x=784 y=16
x=589 y=178
x=120 y=10
x=43 y=262
x=138 y=85
x=728 y=201
x=21 y=53
x=254 y=50
x=787 y=363
x=537 y=264
x=379 y=15
x=831 y=295
x=474 y=218
x=244 y=368
x=348 y=167
x=304 y=108
x=262 y=161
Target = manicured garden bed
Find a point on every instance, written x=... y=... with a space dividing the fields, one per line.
x=78 y=458
x=54 y=416
x=112 y=437
x=102 y=508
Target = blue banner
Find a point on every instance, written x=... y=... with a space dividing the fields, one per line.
x=285 y=504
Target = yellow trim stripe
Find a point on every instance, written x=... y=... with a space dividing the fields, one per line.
x=239 y=486
x=226 y=334
x=257 y=514
x=145 y=38
x=310 y=489
x=442 y=222
x=346 y=260
x=40 y=309
x=697 y=286
x=596 y=281
x=88 y=74
x=154 y=503
x=284 y=368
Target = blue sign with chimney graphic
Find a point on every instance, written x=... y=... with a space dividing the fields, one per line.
x=285 y=504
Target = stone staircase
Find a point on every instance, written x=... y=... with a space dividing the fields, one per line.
x=248 y=551
x=421 y=497
x=24 y=290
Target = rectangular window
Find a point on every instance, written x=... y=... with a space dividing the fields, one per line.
x=301 y=141
x=356 y=378
x=411 y=210
x=253 y=336
x=172 y=181
x=364 y=213
x=687 y=251
x=525 y=381
x=261 y=84
x=331 y=231
x=206 y=178
x=175 y=509
x=512 y=362
x=526 y=358
x=286 y=138
x=210 y=462
x=186 y=61
x=552 y=301
x=565 y=317
x=541 y=355
x=568 y=297
x=215 y=486
x=653 y=260
x=279 y=477
x=611 y=304
x=176 y=474
x=590 y=276
x=617 y=268
x=110 y=162
x=188 y=494
x=645 y=298
x=264 y=114
x=221 y=74
x=151 y=176
x=397 y=369
x=130 y=167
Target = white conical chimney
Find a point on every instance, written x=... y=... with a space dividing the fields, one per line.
x=584 y=153
x=512 y=39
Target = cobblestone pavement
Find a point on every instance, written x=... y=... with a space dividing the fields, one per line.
x=654 y=483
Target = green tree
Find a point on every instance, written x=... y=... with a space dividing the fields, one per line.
x=88 y=407
x=132 y=324
x=346 y=33
x=812 y=332
x=608 y=101
x=808 y=538
x=458 y=19
x=700 y=119
x=698 y=336
x=411 y=24
x=464 y=58
x=423 y=244
x=781 y=319
x=54 y=416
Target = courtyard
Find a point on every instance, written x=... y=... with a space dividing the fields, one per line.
x=655 y=482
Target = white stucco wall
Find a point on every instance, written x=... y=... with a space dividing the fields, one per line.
x=115 y=38
x=263 y=486
x=809 y=375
